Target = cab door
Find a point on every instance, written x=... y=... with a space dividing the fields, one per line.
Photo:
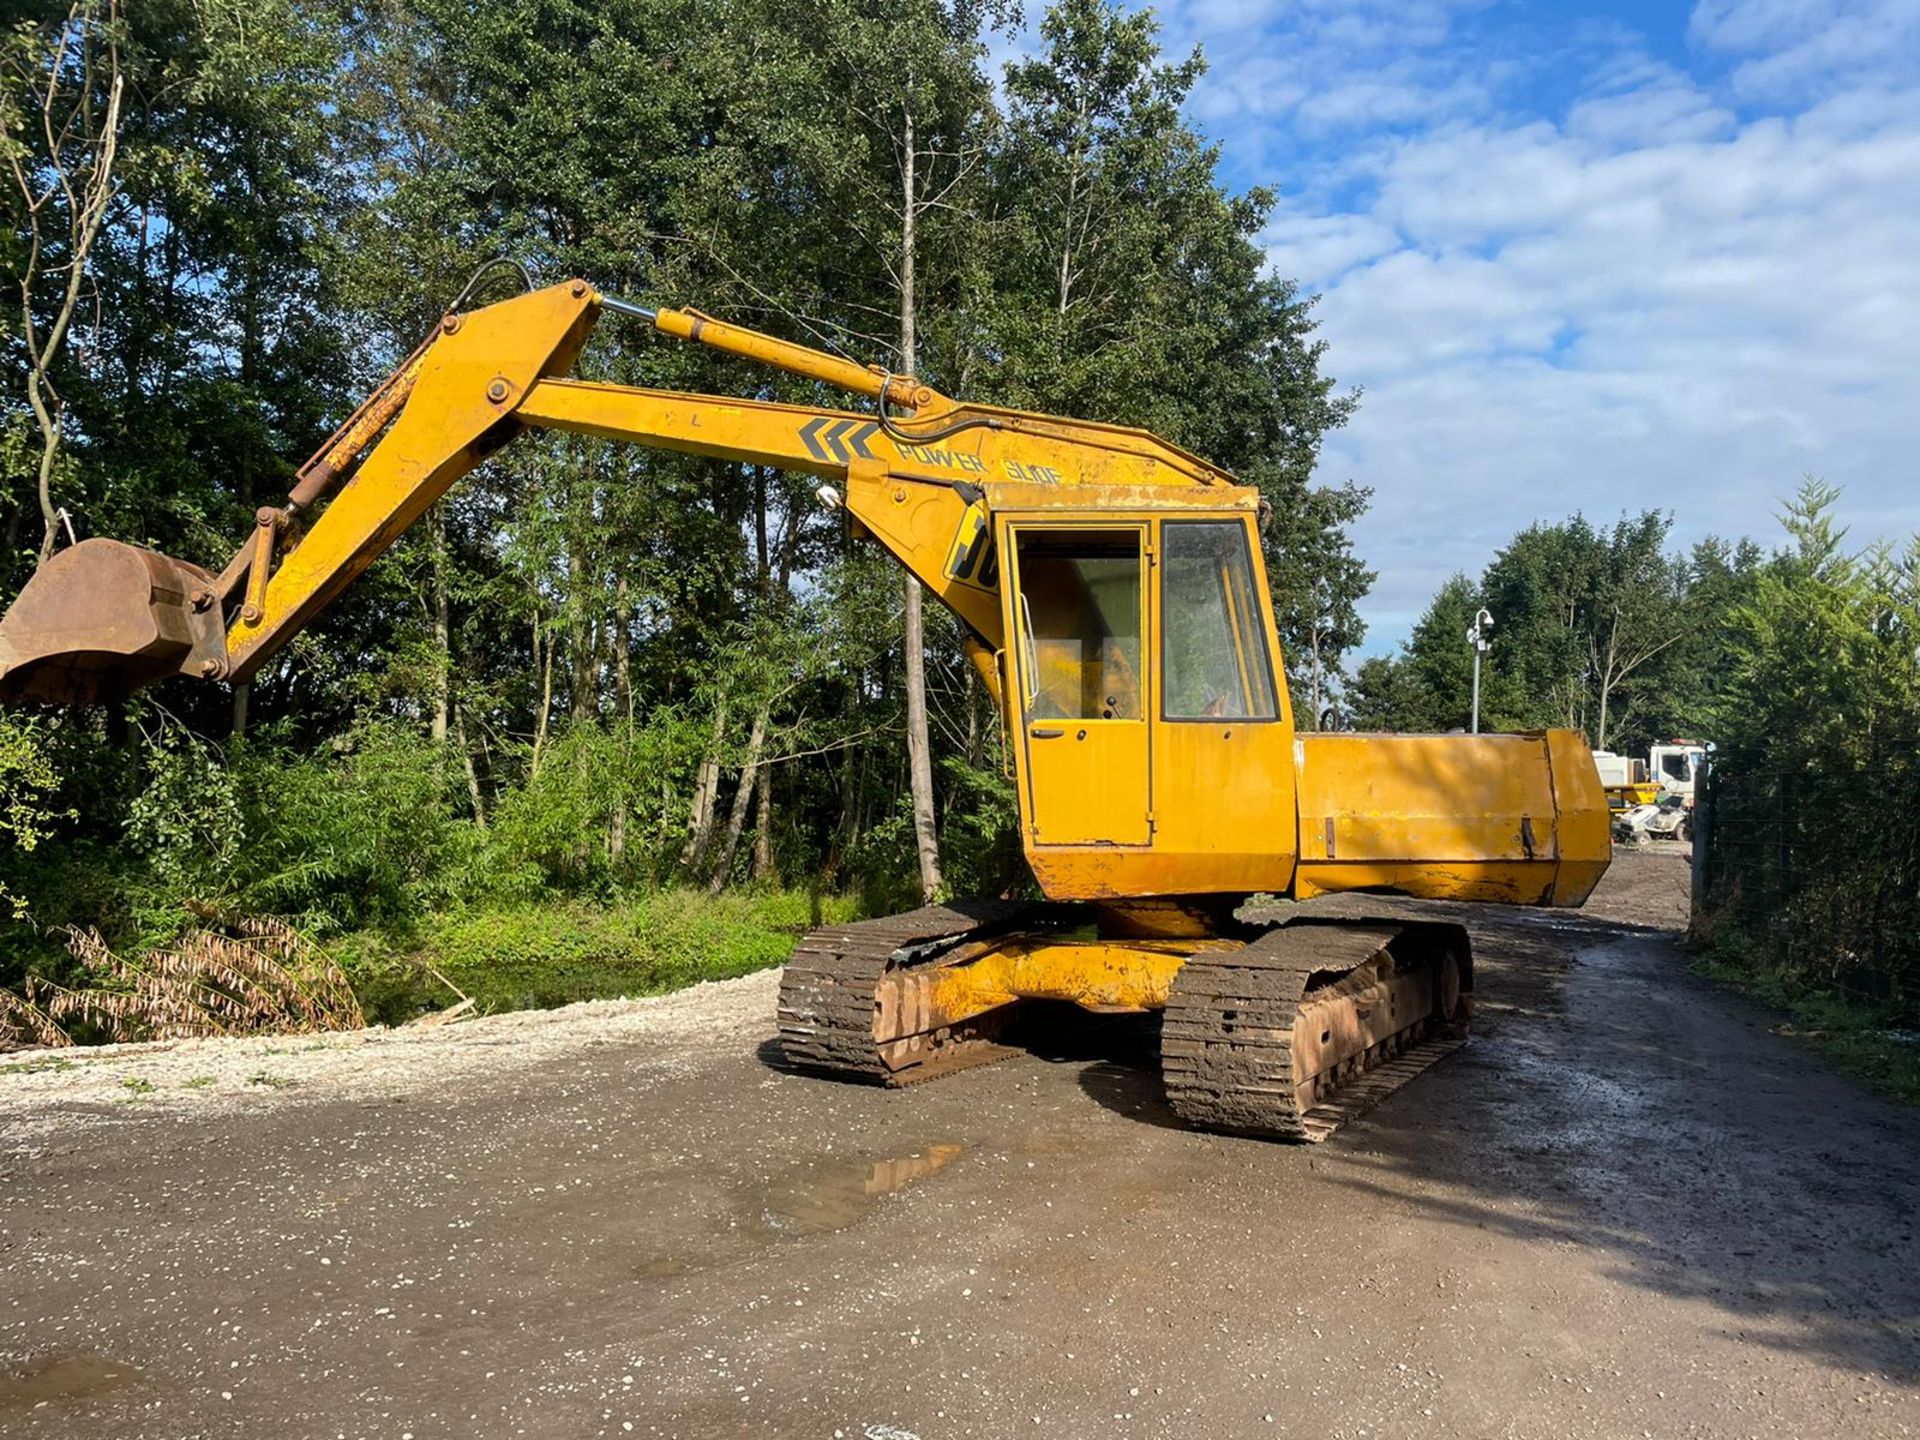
x=1075 y=602
x=1223 y=754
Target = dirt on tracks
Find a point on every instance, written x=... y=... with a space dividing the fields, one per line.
x=1626 y=1209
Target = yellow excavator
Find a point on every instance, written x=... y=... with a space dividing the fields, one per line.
x=1114 y=602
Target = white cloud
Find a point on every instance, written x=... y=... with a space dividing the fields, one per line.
x=1789 y=44
x=1659 y=292
x=1689 y=326
x=1572 y=274
x=1302 y=244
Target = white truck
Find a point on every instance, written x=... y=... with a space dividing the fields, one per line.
x=1652 y=798
x=1676 y=766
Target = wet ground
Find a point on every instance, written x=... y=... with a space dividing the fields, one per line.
x=1626 y=1209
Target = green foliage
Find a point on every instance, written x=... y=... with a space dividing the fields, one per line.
x=354 y=836
x=556 y=952
x=1816 y=810
x=1598 y=630
x=27 y=814
x=189 y=822
x=545 y=686
x=981 y=852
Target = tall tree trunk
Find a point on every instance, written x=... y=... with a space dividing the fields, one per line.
x=974 y=688
x=622 y=649
x=919 y=748
x=79 y=158
x=737 y=818
x=580 y=687
x=926 y=838
x=1606 y=695
x=706 y=798
x=623 y=676
x=466 y=759
x=442 y=620
x=763 y=828
x=543 y=662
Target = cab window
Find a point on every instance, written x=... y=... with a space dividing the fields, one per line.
x=1216 y=661
x=1079 y=619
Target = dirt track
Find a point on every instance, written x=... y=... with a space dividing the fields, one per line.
x=1627 y=1209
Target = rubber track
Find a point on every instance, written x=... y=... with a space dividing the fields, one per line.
x=1226 y=1047
x=827 y=990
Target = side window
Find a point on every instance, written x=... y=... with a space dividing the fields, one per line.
x=1215 y=648
x=1079 y=617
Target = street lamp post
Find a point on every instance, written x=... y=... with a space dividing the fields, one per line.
x=1477 y=637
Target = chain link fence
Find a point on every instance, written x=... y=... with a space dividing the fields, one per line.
x=1817 y=872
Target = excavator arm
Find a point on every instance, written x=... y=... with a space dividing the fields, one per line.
x=918 y=473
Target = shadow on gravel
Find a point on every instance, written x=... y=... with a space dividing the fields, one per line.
x=1614 y=1103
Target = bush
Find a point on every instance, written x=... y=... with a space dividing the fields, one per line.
x=27 y=781
x=558 y=827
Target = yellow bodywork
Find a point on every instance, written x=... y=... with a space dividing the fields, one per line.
x=1113 y=596
x=1119 y=798
x=1101 y=975
x=1512 y=819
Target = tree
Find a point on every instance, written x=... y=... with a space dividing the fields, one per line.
x=60 y=94
x=1818 y=768
x=598 y=665
x=911 y=74
x=1634 y=612
x=1130 y=287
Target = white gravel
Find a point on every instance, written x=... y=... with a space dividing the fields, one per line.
x=44 y=1089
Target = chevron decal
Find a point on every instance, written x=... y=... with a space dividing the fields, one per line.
x=838 y=441
x=810 y=437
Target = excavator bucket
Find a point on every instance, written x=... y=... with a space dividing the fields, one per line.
x=101 y=619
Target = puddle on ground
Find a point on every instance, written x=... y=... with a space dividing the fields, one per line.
x=662 y=1267
x=831 y=1195
x=810 y=1199
x=63 y=1378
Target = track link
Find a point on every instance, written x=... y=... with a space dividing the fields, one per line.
x=1233 y=1049
x=827 y=994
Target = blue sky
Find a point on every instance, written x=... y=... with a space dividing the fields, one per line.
x=1588 y=256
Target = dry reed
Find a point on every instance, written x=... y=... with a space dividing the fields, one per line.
x=248 y=977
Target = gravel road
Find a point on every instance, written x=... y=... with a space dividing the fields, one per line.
x=1627 y=1209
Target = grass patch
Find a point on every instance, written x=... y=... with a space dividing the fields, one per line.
x=542 y=954
x=36 y=1067
x=138 y=1084
x=1865 y=1040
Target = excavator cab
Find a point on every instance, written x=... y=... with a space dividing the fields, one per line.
x=101 y=619
x=1144 y=660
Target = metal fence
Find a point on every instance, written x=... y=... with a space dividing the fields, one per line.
x=1817 y=871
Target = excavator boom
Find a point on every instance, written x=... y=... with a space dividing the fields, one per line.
x=84 y=631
